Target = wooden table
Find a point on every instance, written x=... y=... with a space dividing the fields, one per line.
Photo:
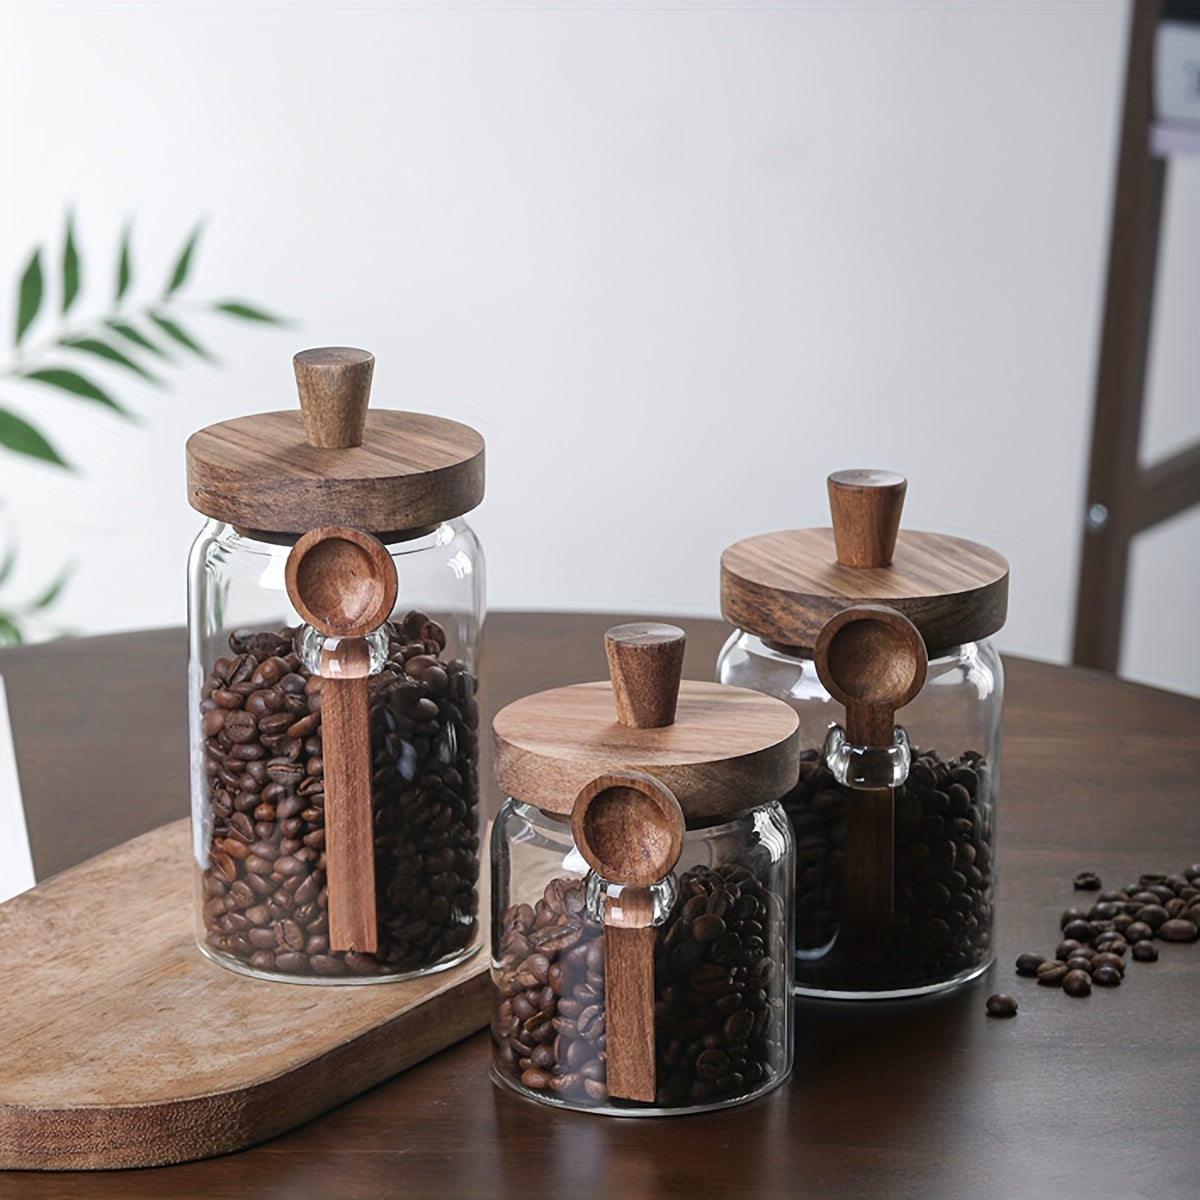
x=1096 y=1097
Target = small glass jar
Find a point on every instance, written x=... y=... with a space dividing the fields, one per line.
x=718 y=924
x=722 y=984
x=942 y=762
x=261 y=760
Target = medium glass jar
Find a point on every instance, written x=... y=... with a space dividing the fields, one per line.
x=711 y=918
x=930 y=924
x=945 y=823
x=272 y=834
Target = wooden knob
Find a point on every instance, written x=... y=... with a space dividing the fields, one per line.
x=645 y=663
x=866 y=508
x=335 y=388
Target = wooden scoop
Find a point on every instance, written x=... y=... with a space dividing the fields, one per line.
x=343 y=583
x=629 y=829
x=871 y=659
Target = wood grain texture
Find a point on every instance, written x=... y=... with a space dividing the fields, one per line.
x=349 y=818
x=411 y=472
x=334 y=383
x=123 y=1046
x=341 y=580
x=865 y=507
x=1078 y=1098
x=645 y=664
x=729 y=749
x=784 y=586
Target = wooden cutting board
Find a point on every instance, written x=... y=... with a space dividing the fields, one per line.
x=122 y=1046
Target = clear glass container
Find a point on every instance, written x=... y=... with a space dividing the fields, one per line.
x=941 y=931
x=256 y=761
x=722 y=965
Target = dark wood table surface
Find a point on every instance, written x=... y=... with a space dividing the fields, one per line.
x=1096 y=1097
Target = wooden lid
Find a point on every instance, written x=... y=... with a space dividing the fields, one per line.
x=727 y=749
x=784 y=586
x=334 y=462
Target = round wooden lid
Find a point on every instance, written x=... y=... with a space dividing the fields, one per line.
x=333 y=462
x=784 y=586
x=727 y=749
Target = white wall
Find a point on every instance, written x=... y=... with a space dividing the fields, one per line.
x=675 y=261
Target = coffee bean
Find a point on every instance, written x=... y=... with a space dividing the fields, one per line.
x=1178 y=930
x=1145 y=952
x=1001 y=1005
x=1139 y=931
x=1106 y=977
x=1052 y=974
x=1087 y=881
x=1077 y=983
x=1027 y=964
x=265 y=758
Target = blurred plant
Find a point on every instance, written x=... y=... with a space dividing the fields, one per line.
x=139 y=338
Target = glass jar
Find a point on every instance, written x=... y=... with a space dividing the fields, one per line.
x=270 y=838
x=722 y=953
x=944 y=832
x=639 y=858
x=895 y=839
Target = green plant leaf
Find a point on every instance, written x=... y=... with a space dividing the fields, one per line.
x=131 y=334
x=10 y=631
x=77 y=385
x=174 y=331
x=10 y=561
x=70 y=267
x=51 y=594
x=247 y=312
x=21 y=438
x=29 y=295
x=111 y=354
x=124 y=264
x=183 y=264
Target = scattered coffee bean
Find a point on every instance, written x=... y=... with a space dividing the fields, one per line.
x=1027 y=964
x=1106 y=977
x=1087 y=881
x=1001 y=1005
x=266 y=795
x=1145 y=952
x=1077 y=983
x=1178 y=930
x=1052 y=973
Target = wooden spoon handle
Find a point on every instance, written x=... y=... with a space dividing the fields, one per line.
x=629 y=997
x=349 y=821
x=870 y=868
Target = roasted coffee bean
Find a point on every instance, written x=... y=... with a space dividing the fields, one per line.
x=1027 y=964
x=264 y=758
x=1178 y=930
x=1001 y=1005
x=1087 y=881
x=1051 y=974
x=1077 y=983
x=1145 y=952
x=1106 y=977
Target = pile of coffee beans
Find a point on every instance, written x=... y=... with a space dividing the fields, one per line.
x=944 y=841
x=720 y=993
x=1121 y=922
x=265 y=898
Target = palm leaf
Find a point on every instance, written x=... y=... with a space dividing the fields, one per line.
x=247 y=312
x=70 y=267
x=77 y=385
x=111 y=354
x=177 y=333
x=10 y=632
x=20 y=437
x=29 y=295
x=131 y=334
x=124 y=264
x=183 y=264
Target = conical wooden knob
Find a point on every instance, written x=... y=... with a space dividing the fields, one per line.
x=335 y=388
x=645 y=662
x=866 y=508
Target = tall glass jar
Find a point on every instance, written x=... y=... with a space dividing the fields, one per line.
x=945 y=756
x=714 y=915
x=271 y=832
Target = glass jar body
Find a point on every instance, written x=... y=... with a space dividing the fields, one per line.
x=722 y=965
x=944 y=826
x=258 y=804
